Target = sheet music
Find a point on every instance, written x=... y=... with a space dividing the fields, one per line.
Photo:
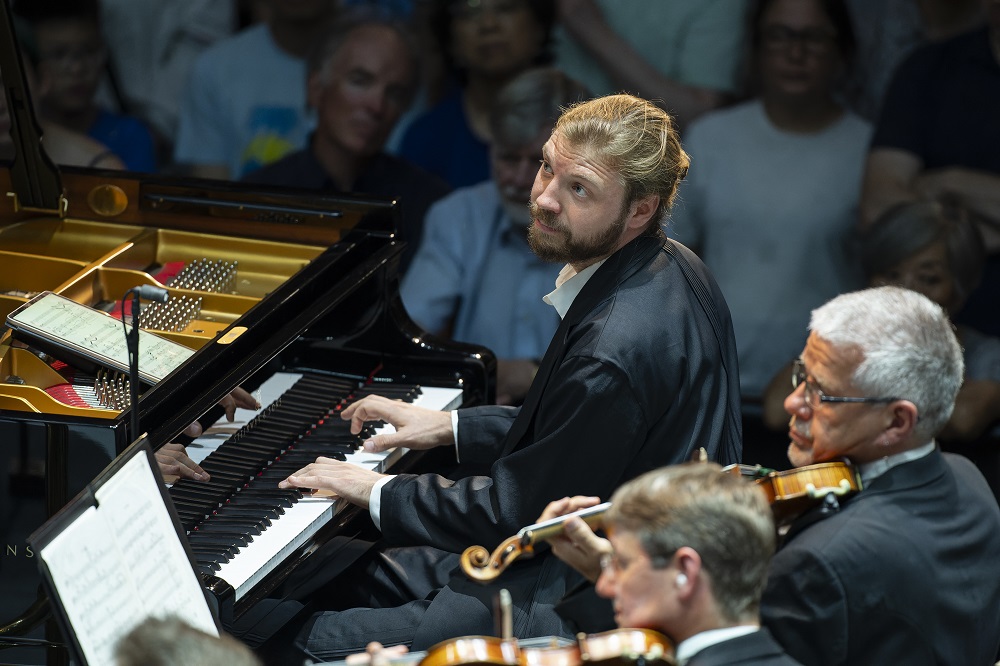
x=122 y=561
x=97 y=335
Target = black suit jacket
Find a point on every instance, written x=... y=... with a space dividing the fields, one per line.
x=907 y=572
x=757 y=649
x=641 y=371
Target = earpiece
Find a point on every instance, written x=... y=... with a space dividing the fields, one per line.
x=681 y=580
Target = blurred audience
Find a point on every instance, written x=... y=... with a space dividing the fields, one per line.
x=361 y=80
x=889 y=30
x=485 y=44
x=474 y=277
x=938 y=138
x=686 y=55
x=71 y=61
x=771 y=200
x=244 y=105
x=152 y=46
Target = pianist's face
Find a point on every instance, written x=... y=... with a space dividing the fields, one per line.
x=361 y=93
x=577 y=206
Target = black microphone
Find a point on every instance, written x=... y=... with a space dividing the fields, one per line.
x=152 y=293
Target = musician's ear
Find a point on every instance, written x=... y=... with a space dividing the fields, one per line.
x=687 y=563
x=903 y=417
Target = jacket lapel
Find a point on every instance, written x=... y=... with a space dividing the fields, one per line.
x=618 y=268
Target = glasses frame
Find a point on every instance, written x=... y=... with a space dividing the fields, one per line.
x=799 y=375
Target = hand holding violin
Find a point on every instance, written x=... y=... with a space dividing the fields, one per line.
x=576 y=545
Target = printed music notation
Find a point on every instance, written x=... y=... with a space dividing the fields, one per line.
x=121 y=561
x=96 y=335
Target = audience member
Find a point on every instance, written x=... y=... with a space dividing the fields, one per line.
x=172 y=642
x=486 y=44
x=71 y=59
x=771 y=203
x=685 y=55
x=889 y=30
x=937 y=138
x=474 y=276
x=640 y=372
x=361 y=80
x=152 y=46
x=905 y=571
x=244 y=105
x=62 y=145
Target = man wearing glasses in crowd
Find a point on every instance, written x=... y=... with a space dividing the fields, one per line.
x=907 y=571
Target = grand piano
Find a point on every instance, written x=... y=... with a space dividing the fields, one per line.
x=308 y=311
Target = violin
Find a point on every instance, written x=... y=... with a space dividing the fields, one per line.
x=479 y=564
x=789 y=492
x=793 y=491
x=619 y=646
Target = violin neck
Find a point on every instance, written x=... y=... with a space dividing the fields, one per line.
x=547 y=529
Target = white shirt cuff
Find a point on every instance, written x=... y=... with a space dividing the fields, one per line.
x=454 y=432
x=375 y=500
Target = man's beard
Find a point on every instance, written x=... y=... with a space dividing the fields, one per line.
x=570 y=250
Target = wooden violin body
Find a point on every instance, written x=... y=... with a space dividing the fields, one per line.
x=623 y=647
x=473 y=651
x=793 y=491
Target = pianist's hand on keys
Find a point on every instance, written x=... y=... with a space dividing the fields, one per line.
x=416 y=428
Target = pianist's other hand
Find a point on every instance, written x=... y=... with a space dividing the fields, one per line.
x=417 y=428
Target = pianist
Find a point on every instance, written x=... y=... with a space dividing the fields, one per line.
x=641 y=372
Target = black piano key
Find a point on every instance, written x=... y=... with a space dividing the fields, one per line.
x=211 y=529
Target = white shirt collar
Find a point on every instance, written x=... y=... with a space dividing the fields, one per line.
x=569 y=284
x=695 y=644
x=876 y=468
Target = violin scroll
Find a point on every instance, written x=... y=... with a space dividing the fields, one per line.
x=478 y=564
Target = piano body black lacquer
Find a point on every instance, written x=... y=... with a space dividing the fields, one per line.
x=316 y=288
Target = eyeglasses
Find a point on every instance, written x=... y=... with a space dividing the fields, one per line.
x=815 y=41
x=618 y=565
x=814 y=394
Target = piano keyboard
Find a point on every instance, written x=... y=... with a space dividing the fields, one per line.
x=240 y=525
